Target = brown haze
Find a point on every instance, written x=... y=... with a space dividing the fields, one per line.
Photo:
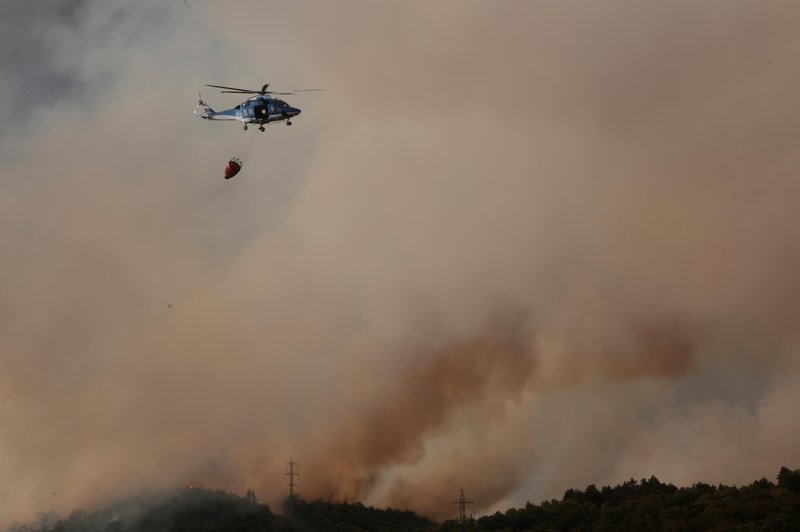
x=515 y=247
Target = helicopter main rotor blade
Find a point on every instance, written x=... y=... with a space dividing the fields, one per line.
x=294 y=91
x=233 y=89
x=236 y=90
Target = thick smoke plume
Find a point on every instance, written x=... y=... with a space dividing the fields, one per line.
x=420 y=400
x=514 y=247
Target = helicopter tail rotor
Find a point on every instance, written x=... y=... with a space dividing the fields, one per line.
x=203 y=110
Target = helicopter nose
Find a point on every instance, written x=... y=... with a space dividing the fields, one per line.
x=295 y=111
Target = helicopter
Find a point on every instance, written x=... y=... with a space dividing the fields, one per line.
x=261 y=108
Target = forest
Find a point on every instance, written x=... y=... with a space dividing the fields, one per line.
x=646 y=504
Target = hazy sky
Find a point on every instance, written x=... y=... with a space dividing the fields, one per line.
x=514 y=247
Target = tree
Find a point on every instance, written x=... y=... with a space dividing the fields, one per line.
x=789 y=479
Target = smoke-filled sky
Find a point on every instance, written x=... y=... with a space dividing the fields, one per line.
x=514 y=247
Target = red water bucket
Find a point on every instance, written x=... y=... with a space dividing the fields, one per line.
x=232 y=168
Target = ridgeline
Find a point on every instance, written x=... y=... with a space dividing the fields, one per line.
x=647 y=504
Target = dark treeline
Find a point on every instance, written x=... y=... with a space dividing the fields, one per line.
x=323 y=516
x=647 y=504
x=652 y=505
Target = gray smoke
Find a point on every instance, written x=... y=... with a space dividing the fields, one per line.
x=513 y=248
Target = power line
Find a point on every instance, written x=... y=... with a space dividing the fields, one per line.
x=292 y=470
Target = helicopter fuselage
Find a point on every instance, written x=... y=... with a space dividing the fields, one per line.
x=257 y=110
